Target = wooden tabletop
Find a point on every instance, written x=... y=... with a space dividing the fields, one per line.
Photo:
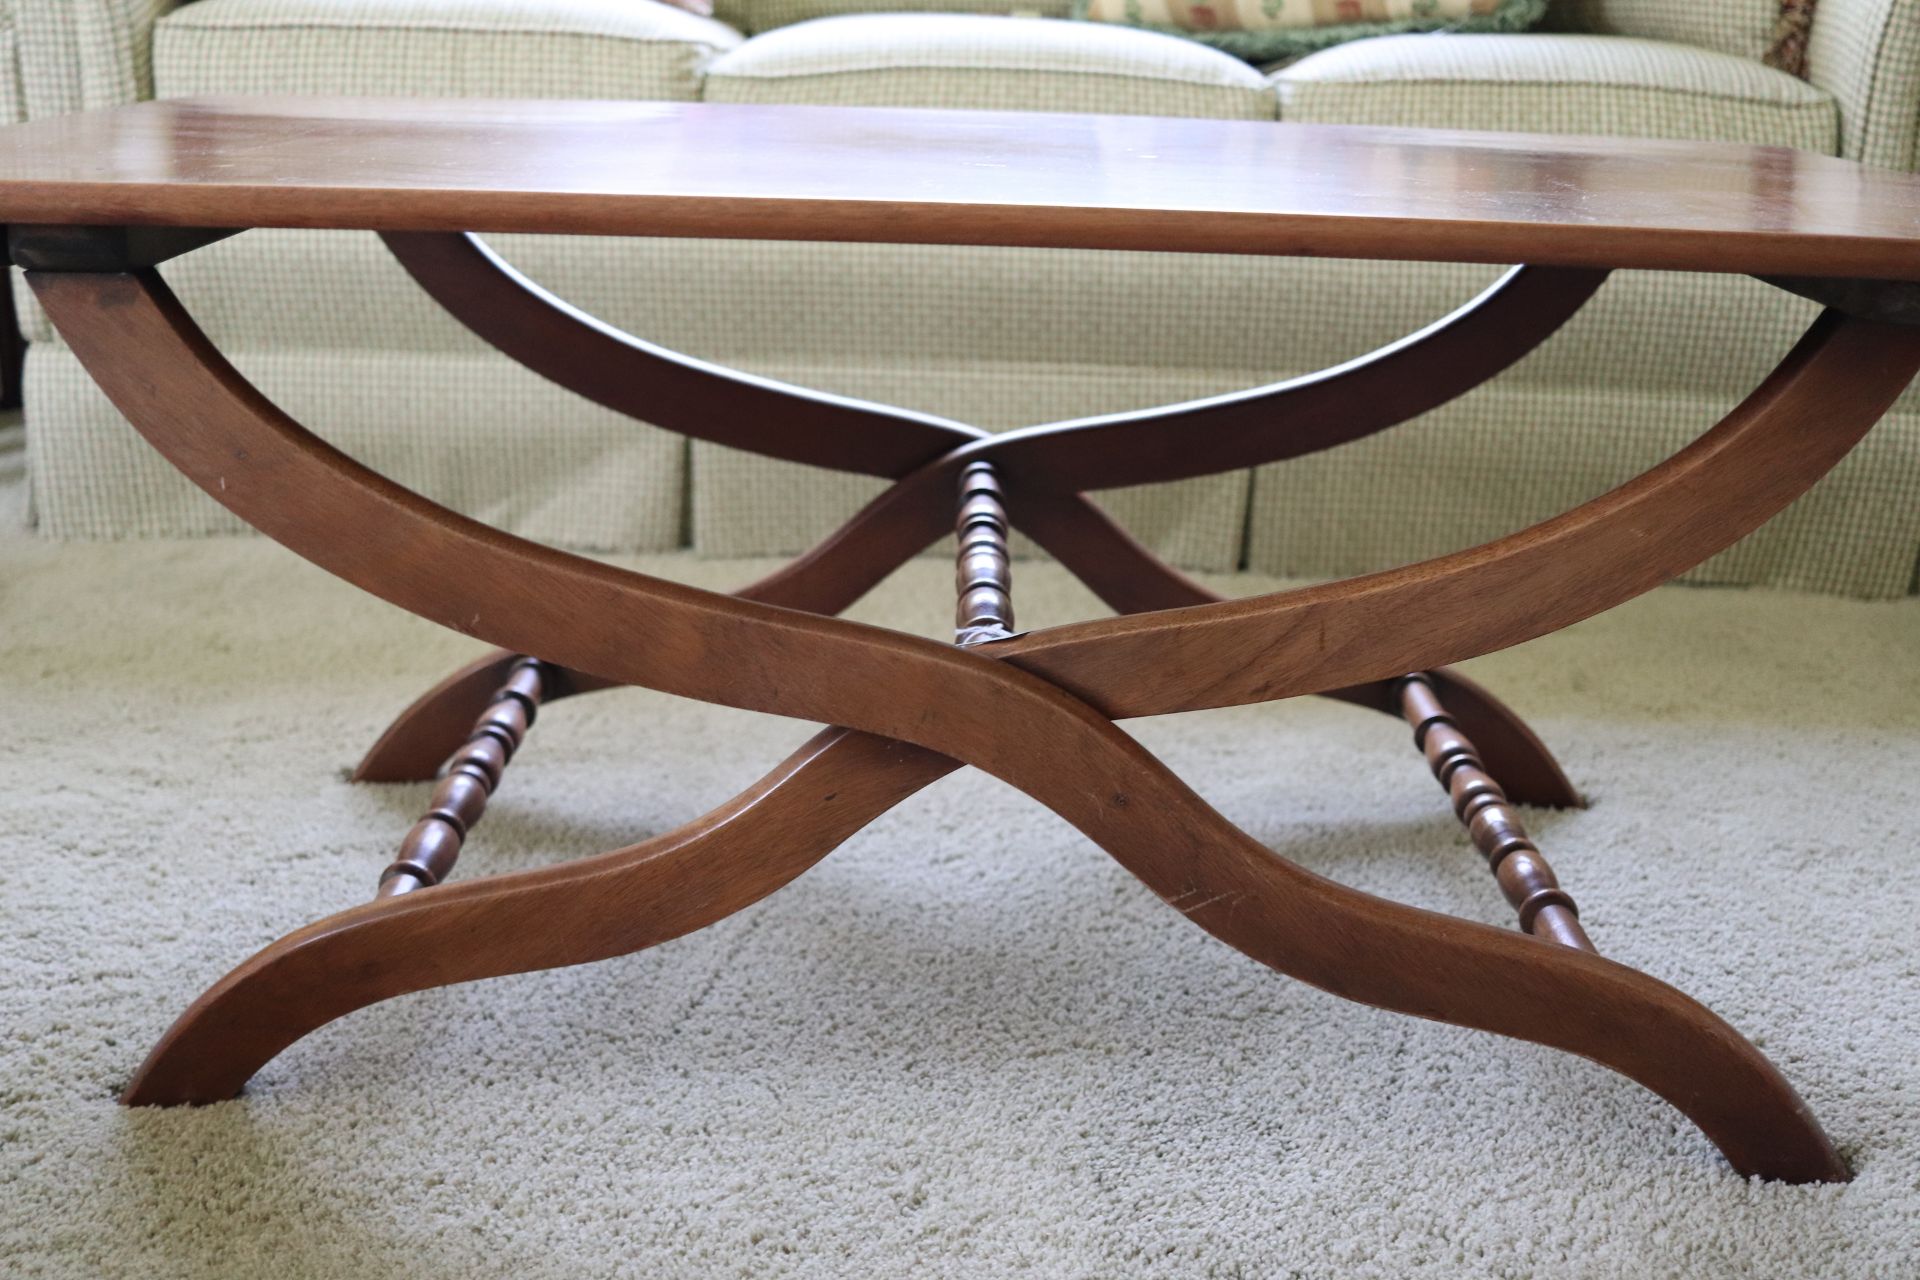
x=961 y=177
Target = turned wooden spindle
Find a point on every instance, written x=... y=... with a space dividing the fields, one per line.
x=428 y=852
x=1546 y=910
x=983 y=573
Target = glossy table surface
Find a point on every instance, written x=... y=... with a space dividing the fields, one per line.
x=954 y=177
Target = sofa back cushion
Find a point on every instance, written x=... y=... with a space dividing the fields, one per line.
x=1741 y=27
x=765 y=15
x=1268 y=30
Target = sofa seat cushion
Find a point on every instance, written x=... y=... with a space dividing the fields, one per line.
x=478 y=48
x=1558 y=84
x=973 y=61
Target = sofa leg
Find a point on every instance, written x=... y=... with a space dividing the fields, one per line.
x=13 y=347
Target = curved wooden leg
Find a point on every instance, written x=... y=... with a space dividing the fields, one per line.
x=848 y=563
x=1835 y=384
x=420 y=739
x=676 y=392
x=1400 y=381
x=1286 y=419
x=1337 y=938
x=1398 y=957
x=591 y=909
x=1128 y=578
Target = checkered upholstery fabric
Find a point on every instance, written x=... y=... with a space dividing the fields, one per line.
x=1741 y=27
x=1866 y=53
x=490 y=48
x=497 y=443
x=965 y=60
x=79 y=54
x=13 y=105
x=1651 y=362
x=1558 y=84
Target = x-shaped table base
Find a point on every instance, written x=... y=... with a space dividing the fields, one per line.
x=1036 y=710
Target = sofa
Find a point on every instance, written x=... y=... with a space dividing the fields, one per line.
x=335 y=331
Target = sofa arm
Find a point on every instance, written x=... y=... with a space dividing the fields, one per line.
x=1743 y=28
x=1866 y=53
x=629 y=49
x=80 y=54
x=12 y=106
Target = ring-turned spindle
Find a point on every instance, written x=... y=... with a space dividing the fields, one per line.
x=428 y=852
x=1546 y=910
x=983 y=574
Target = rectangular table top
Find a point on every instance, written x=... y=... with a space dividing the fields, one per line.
x=961 y=177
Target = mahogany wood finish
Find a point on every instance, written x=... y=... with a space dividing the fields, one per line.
x=432 y=728
x=590 y=908
x=885 y=534
x=1036 y=710
x=957 y=703
x=1130 y=579
x=677 y=392
x=1304 y=415
x=1286 y=419
x=1546 y=910
x=784 y=172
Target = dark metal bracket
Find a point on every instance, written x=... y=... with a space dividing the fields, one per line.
x=1884 y=301
x=47 y=248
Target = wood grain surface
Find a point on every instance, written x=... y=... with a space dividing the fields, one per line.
x=957 y=177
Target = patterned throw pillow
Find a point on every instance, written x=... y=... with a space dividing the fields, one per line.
x=1262 y=30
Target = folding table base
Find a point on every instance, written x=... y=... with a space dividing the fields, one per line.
x=1034 y=709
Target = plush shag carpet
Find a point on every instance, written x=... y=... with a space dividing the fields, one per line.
x=967 y=1044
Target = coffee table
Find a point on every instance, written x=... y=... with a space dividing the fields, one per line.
x=95 y=202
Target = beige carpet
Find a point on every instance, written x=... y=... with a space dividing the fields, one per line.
x=967 y=1044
